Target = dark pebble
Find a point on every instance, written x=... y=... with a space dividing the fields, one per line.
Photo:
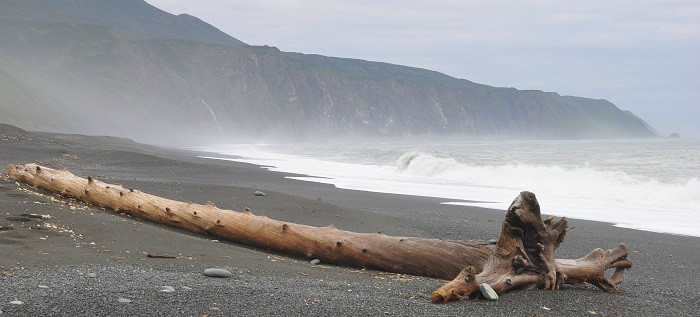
x=19 y=219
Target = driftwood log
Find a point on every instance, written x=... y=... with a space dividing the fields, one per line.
x=523 y=257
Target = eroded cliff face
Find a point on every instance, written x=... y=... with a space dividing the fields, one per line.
x=261 y=90
x=95 y=79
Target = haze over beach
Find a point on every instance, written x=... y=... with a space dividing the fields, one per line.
x=316 y=158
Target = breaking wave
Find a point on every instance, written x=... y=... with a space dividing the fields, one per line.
x=575 y=182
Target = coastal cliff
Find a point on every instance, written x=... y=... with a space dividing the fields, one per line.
x=73 y=66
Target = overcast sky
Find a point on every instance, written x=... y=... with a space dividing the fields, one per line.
x=644 y=56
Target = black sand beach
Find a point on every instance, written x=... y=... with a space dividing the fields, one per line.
x=49 y=263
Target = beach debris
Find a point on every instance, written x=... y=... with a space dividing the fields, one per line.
x=187 y=288
x=33 y=216
x=18 y=219
x=16 y=302
x=391 y=276
x=488 y=292
x=123 y=300
x=160 y=256
x=42 y=286
x=402 y=278
x=493 y=241
x=6 y=228
x=215 y=241
x=167 y=289
x=315 y=261
x=214 y=272
x=523 y=258
x=546 y=308
x=259 y=193
x=91 y=275
x=59 y=228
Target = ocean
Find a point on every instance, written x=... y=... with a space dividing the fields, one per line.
x=651 y=184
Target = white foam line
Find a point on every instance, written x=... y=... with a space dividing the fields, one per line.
x=384 y=179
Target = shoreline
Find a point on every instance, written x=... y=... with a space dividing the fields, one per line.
x=671 y=220
x=664 y=280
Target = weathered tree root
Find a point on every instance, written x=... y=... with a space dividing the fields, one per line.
x=523 y=258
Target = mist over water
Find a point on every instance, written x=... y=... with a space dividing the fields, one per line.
x=650 y=185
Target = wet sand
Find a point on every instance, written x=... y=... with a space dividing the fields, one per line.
x=73 y=240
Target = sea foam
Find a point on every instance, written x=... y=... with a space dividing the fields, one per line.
x=617 y=197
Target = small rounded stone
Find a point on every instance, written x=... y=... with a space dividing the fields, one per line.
x=214 y=272
x=488 y=292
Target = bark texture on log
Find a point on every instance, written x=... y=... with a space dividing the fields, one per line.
x=523 y=258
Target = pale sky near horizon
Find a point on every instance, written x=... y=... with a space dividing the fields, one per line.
x=644 y=56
